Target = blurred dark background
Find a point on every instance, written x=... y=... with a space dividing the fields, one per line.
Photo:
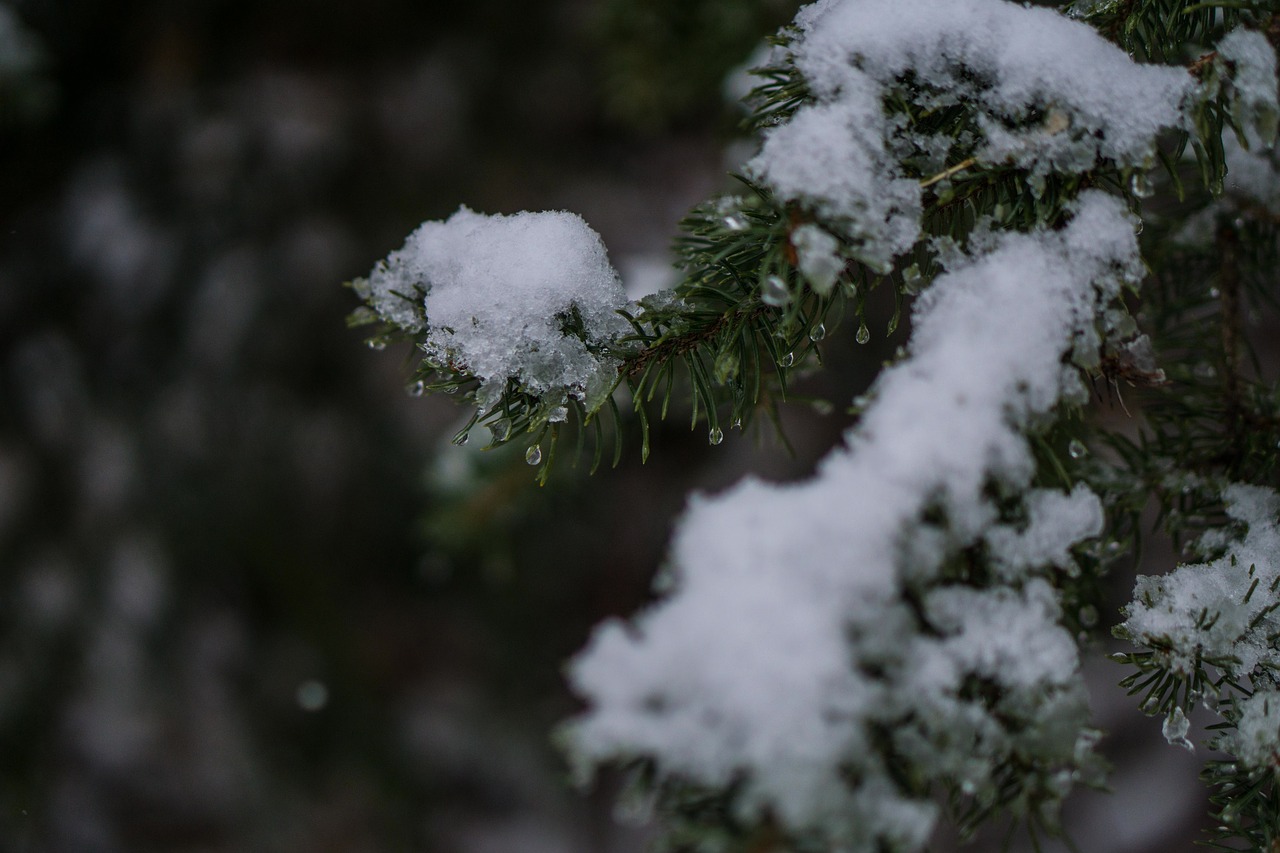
x=250 y=598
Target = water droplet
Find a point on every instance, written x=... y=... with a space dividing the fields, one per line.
x=817 y=333
x=1088 y=616
x=500 y=430
x=1238 y=222
x=1077 y=449
x=968 y=787
x=417 y=389
x=1140 y=185
x=864 y=334
x=1137 y=227
x=715 y=436
x=533 y=455
x=461 y=438
x=376 y=344
x=452 y=389
x=1214 y=292
x=734 y=222
x=1113 y=547
x=737 y=423
x=787 y=360
x=312 y=695
x=775 y=292
x=911 y=280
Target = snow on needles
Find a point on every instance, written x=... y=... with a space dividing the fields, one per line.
x=529 y=298
x=1045 y=93
x=1224 y=611
x=809 y=622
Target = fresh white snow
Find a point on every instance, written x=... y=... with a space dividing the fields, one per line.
x=529 y=298
x=790 y=636
x=1048 y=94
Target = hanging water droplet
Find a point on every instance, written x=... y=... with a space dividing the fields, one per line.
x=775 y=292
x=864 y=334
x=533 y=455
x=360 y=316
x=911 y=280
x=500 y=430
x=734 y=222
x=1140 y=185
x=715 y=436
x=787 y=360
x=1088 y=616
x=817 y=333
x=1215 y=186
x=417 y=389
x=1076 y=448
x=461 y=438
x=376 y=344
x=737 y=423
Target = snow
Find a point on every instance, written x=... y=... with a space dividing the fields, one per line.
x=1257 y=737
x=1055 y=522
x=1206 y=610
x=499 y=297
x=1252 y=66
x=818 y=256
x=1251 y=177
x=1048 y=94
x=832 y=156
x=789 y=640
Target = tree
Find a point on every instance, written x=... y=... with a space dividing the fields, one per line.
x=1072 y=207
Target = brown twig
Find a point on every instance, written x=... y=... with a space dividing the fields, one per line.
x=680 y=344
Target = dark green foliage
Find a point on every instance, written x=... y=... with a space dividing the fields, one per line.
x=1168 y=31
x=662 y=60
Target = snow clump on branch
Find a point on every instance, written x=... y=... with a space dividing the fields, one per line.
x=529 y=298
x=814 y=639
x=1224 y=611
x=1038 y=90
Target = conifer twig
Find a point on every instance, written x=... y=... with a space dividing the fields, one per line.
x=946 y=173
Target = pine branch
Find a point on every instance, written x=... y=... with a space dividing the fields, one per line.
x=958 y=185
